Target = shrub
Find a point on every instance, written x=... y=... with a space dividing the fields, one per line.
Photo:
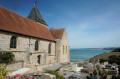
x=109 y=72
x=85 y=70
x=115 y=76
x=114 y=59
x=6 y=57
x=101 y=72
x=3 y=72
x=58 y=76
x=103 y=60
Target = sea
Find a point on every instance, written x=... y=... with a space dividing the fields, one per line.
x=85 y=53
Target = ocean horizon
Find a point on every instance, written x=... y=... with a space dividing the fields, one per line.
x=85 y=53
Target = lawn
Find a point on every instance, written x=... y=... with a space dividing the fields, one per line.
x=105 y=55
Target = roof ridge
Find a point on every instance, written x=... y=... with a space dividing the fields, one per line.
x=56 y=29
x=20 y=15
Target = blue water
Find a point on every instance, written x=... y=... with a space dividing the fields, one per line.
x=82 y=54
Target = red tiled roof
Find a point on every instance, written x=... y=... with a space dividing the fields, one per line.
x=57 y=33
x=12 y=22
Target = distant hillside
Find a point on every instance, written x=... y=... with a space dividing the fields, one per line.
x=111 y=48
x=105 y=55
x=116 y=50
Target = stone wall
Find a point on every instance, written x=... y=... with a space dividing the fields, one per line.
x=15 y=66
x=26 y=45
x=23 y=49
x=4 y=41
x=63 y=55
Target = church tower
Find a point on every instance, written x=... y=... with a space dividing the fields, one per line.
x=35 y=15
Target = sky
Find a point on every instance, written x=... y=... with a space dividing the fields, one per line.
x=89 y=23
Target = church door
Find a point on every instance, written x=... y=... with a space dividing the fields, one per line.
x=38 y=58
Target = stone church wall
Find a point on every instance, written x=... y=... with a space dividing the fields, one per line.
x=15 y=66
x=65 y=52
x=22 y=51
x=63 y=56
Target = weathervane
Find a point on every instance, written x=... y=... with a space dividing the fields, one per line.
x=35 y=2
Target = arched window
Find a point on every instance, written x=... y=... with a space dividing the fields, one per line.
x=49 y=48
x=36 y=45
x=66 y=49
x=13 y=42
x=63 y=49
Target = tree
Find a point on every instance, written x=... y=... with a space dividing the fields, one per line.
x=114 y=59
x=6 y=57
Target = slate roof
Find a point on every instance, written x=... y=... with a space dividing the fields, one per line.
x=36 y=16
x=13 y=22
x=57 y=33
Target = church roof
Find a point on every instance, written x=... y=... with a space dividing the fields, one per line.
x=57 y=33
x=36 y=16
x=13 y=22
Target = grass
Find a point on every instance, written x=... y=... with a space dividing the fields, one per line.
x=58 y=76
x=105 y=55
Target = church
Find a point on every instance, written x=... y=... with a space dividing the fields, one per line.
x=32 y=43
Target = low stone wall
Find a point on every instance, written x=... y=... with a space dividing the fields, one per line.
x=15 y=66
x=40 y=67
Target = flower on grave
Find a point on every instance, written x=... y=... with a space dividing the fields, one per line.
x=19 y=76
x=29 y=77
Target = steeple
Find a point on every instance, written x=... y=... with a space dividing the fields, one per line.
x=35 y=15
x=35 y=3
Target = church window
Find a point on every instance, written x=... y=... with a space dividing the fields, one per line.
x=63 y=49
x=36 y=45
x=49 y=48
x=13 y=42
x=66 y=49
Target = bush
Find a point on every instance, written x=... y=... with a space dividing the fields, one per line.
x=101 y=72
x=115 y=76
x=58 y=76
x=3 y=72
x=6 y=57
x=84 y=71
x=114 y=59
x=103 y=60
x=109 y=72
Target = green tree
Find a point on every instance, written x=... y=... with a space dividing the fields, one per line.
x=114 y=59
x=6 y=57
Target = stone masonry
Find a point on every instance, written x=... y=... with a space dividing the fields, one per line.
x=22 y=51
x=62 y=49
x=26 y=33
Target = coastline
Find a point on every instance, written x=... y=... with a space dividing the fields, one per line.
x=85 y=53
